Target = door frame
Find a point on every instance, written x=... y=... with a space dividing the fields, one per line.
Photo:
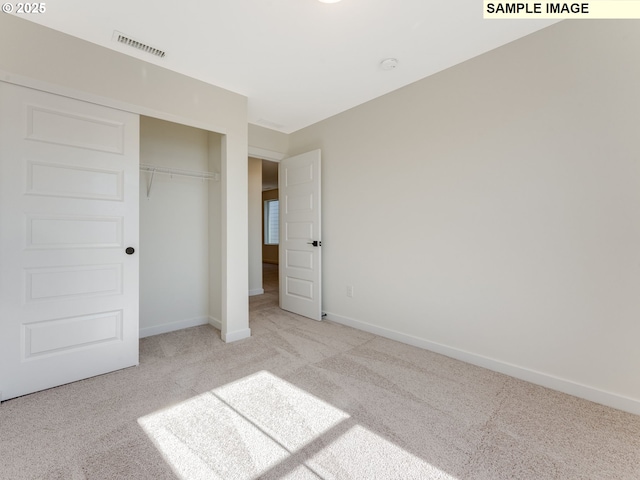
x=233 y=291
x=269 y=156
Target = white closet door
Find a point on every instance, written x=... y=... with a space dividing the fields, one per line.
x=68 y=211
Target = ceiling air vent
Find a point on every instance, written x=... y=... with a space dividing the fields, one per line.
x=122 y=38
x=269 y=124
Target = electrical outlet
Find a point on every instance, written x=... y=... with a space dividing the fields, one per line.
x=350 y=291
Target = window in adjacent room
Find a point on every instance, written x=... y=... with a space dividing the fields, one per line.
x=271 y=220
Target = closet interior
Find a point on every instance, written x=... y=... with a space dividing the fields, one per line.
x=180 y=227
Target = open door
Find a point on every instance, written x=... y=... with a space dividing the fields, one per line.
x=300 y=235
x=68 y=240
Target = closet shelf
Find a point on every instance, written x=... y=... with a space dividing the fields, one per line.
x=146 y=167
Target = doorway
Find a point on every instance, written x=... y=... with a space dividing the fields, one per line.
x=262 y=187
x=298 y=219
x=263 y=241
x=270 y=229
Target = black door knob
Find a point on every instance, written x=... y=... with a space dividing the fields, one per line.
x=130 y=250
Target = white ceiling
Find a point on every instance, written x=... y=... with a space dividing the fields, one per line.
x=297 y=61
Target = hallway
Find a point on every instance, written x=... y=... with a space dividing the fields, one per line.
x=270 y=285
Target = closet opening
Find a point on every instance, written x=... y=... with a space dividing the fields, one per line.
x=180 y=227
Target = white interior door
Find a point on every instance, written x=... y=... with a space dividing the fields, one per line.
x=300 y=254
x=68 y=210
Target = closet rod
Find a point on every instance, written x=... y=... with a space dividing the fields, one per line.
x=175 y=171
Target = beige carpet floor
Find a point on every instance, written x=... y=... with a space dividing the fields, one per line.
x=304 y=399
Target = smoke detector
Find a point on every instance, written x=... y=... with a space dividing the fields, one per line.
x=389 y=64
x=130 y=42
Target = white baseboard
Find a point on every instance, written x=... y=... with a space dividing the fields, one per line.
x=214 y=322
x=230 y=336
x=562 y=385
x=257 y=291
x=173 y=326
x=237 y=335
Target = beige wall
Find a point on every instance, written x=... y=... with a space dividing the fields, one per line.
x=37 y=56
x=492 y=211
x=267 y=143
x=174 y=229
x=269 y=252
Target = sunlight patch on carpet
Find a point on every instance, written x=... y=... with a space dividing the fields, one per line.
x=361 y=453
x=262 y=424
